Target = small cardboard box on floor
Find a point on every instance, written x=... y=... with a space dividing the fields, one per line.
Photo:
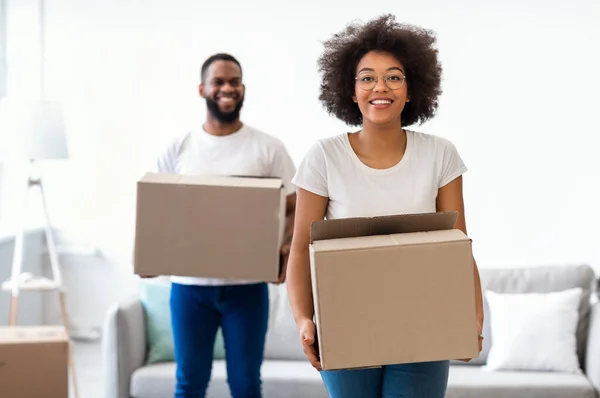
x=393 y=289
x=209 y=226
x=34 y=362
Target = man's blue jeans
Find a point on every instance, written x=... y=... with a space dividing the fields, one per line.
x=414 y=380
x=242 y=311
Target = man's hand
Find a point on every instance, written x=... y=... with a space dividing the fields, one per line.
x=285 y=255
x=290 y=208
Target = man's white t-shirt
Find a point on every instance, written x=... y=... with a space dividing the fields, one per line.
x=247 y=152
x=332 y=169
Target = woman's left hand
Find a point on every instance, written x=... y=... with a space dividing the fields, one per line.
x=480 y=331
x=480 y=338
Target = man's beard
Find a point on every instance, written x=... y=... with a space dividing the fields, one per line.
x=226 y=118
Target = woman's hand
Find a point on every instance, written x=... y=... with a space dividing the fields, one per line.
x=450 y=198
x=480 y=337
x=284 y=251
x=310 y=346
x=480 y=329
x=309 y=208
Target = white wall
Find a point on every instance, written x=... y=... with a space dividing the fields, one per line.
x=3 y=9
x=520 y=102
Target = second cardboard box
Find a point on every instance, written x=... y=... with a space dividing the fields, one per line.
x=394 y=289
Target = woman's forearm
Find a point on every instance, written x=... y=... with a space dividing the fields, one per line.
x=299 y=285
x=309 y=208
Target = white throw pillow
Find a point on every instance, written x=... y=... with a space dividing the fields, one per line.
x=534 y=331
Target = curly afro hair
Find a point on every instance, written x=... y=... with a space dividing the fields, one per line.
x=413 y=46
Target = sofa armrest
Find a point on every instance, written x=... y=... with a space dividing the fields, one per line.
x=123 y=346
x=592 y=355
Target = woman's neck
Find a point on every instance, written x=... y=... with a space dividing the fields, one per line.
x=377 y=147
x=382 y=139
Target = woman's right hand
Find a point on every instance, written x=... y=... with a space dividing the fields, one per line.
x=310 y=207
x=309 y=342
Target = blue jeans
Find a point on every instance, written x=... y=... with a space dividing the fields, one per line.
x=413 y=380
x=242 y=311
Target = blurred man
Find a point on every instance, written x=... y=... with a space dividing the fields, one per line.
x=224 y=145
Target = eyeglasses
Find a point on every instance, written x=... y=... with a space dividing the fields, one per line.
x=392 y=81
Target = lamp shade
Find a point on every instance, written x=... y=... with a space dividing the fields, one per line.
x=31 y=130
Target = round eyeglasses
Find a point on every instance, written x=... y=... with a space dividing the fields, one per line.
x=392 y=81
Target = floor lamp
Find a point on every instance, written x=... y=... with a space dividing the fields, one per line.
x=30 y=132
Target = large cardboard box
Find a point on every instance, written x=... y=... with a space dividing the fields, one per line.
x=394 y=289
x=34 y=362
x=209 y=226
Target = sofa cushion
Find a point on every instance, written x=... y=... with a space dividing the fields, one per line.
x=475 y=382
x=542 y=279
x=519 y=341
x=281 y=379
x=155 y=294
x=297 y=379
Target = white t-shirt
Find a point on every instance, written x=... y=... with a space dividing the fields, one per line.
x=248 y=152
x=332 y=169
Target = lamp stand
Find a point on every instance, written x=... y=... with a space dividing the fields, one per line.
x=27 y=283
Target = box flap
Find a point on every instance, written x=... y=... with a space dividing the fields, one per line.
x=213 y=180
x=383 y=225
x=379 y=241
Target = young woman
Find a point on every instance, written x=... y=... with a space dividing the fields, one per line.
x=382 y=76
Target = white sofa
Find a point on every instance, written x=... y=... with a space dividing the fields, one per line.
x=286 y=373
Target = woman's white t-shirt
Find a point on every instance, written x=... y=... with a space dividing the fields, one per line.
x=332 y=169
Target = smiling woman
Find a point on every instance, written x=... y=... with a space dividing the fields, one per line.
x=417 y=72
x=382 y=76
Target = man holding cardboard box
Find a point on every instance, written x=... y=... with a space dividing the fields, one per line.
x=385 y=291
x=224 y=146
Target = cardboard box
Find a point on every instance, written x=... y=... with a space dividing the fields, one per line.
x=394 y=289
x=34 y=362
x=209 y=226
